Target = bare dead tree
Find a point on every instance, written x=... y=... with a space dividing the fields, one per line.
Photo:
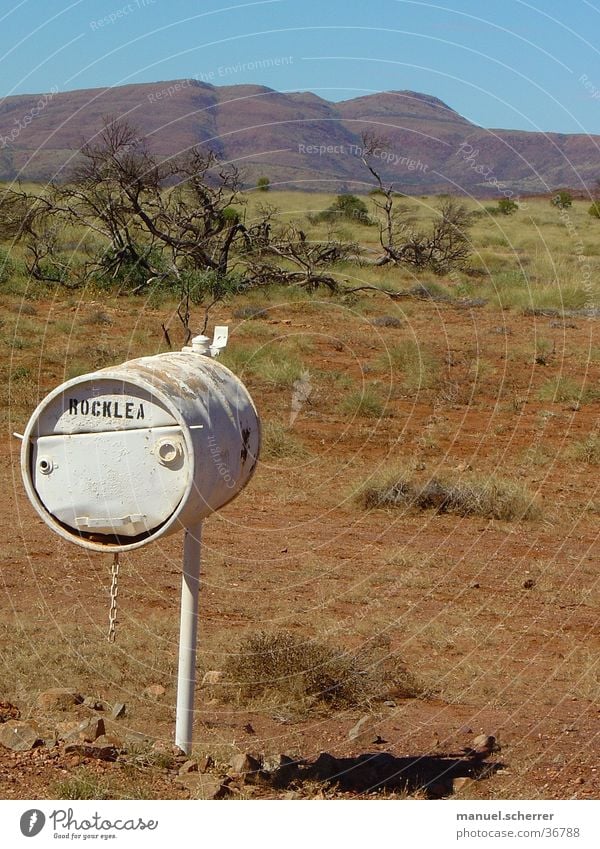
x=445 y=247
x=33 y=220
x=310 y=261
x=182 y=209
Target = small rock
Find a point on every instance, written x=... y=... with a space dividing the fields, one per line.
x=465 y=729
x=83 y=732
x=248 y=767
x=109 y=740
x=213 y=676
x=9 y=711
x=528 y=584
x=92 y=703
x=243 y=763
x=136 y=738
x=207 y=764
x=364 y=733
x=463 y=467
x=358 y=729
x=390 y=703
x=459 y=784
x=202 y=786
x=59 y=698
x=119 y=710
x=165 y=747
x=475 y=585
x=92 y=750
x=386 y=321
x=154 y=691
x=187 y=767
x=483 y=745
x=19 y=736
x=63 y=729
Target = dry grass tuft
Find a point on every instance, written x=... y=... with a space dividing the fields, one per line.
x=563 y=389
x=587 y=450
x=278 y=443
x=488 y=497
x=363 y=402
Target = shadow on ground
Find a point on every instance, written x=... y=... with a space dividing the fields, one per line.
x=431 y=775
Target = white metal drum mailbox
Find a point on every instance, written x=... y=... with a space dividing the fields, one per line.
x=115 y=459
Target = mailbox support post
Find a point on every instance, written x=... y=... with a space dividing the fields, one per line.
x=188 y=633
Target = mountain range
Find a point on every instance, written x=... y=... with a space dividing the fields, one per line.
x=298 y=139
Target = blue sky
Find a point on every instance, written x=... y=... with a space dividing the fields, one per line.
x=504 y=63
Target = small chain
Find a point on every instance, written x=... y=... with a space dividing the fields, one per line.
x=114 y=589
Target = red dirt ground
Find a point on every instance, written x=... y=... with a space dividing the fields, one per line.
x=443 y=594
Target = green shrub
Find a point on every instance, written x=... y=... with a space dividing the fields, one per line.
x=562 y=199
x=127 y=271
x=263 y=184
x=345 y=207
x=210 y=285
x=506 y=206
x=594 y=209
x=231 y=216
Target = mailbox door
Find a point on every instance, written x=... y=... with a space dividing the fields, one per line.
x=125 y=482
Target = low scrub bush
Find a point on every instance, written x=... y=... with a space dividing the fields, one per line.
x=295 y=669
x=346 y=208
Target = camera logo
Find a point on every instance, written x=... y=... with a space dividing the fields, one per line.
x=32 y=822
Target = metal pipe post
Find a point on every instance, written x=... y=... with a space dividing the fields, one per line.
x=188 y=633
